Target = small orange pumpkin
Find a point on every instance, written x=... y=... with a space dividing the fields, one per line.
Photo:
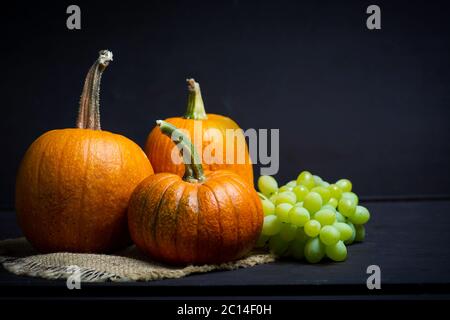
x=158 y=146
x=73 y=185
x=209 y=217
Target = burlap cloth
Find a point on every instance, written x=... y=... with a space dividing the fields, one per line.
x=18 y=257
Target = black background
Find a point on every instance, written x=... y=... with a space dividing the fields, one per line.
x=372 y=106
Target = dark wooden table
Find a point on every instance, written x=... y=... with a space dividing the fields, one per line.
x=408 y=240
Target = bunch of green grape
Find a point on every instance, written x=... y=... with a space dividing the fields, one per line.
x=310 y=218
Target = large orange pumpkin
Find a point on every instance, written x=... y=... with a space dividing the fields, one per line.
x=158 y=147
x=73 y=185
x=201 y=218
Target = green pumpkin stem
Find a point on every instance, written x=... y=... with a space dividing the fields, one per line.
x=193 y=167
x=89 y=111
x=195 y=107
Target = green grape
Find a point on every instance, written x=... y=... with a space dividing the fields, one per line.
x=273 y=198
x=299 y=204
x=285 y=188
x=324 y=184
x=361 y=215
x=314 y=250
x=325 y=194
x=287 y=252
x=329 y=235
x=317 y=180
x=340 y=217
x=360 y=233
x=268 y=207
x=262 y=240
x=312 y=202
x=300 y=192
x=328 y=207
x=352 y=238
x=347 y=207
x=288 y=232
x=333 y=202
x=345 y=185
x=304 y=175
x=299 y=216
x=306 y=179
x=337 y=251
x=350 y=195
x=335 y=191
x=291 y=183
x=282 y=211
x=312 y=228
x=297 y=249
x=345 y=230
x=301 y=235
x=286 y=197
x=277 y=245
x=271 y=225
x=267 y=185
x=325 y=216
x=307 y=183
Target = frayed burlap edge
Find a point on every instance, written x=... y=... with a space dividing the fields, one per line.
x=17 y=256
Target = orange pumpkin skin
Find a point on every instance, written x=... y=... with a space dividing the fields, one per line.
x=179 y=222
x=73 y=188
x=159 y=147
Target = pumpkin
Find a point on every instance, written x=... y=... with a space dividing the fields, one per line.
x=158 y=146
x=73 y=185
x=204 y=217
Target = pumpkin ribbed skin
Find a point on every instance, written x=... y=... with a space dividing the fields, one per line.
x=180 y=222
x=159 y=147
x=73 y=189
